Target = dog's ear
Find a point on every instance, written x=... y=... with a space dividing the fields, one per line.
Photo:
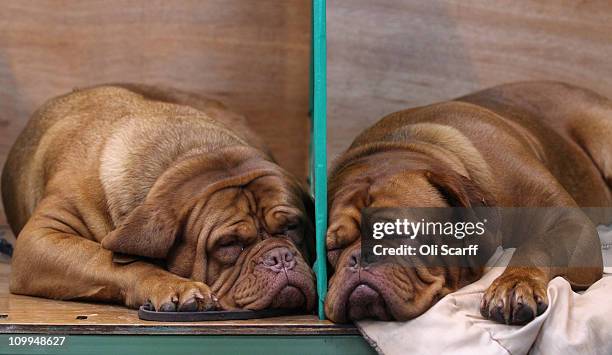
x=152 y=228
x=149 y=230
x=459 y=190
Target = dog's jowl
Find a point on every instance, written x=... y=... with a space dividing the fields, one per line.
x=532 y=144
x=133 y=194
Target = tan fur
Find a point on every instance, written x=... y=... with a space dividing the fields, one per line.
x=454 y=148
x=160 y=174
x=533 y=144
x=137 y=153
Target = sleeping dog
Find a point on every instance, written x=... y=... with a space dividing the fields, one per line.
x=133 y=194
x=532 y=144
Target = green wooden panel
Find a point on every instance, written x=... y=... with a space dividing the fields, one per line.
x=187 y=344
x=318 y=144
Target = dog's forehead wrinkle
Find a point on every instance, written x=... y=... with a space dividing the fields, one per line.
x=250 y=198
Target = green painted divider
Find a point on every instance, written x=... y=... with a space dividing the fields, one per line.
x=190 y=344
x=318 y=143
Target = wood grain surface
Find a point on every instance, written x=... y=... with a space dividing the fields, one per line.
x=388 y=55
x=27 y=315
x=23 y=314
x=252 y=55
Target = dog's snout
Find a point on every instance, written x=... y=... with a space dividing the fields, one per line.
x=279 y=258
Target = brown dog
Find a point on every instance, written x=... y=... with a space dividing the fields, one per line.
x=526 y=144
x=132 y=194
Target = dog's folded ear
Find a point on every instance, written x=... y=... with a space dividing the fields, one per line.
x=459 y=190
x=149 y=231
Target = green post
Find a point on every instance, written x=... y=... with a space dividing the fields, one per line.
x=318 y=144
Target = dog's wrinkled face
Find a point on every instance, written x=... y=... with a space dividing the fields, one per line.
x=246 y=231
x=387 y=290
x=249 y=244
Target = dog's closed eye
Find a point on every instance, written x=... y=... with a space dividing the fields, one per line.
x=228 y=250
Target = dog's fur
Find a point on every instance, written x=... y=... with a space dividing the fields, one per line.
x=533 y=144
x=134 y=194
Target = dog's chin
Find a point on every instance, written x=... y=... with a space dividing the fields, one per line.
x=372 y=298
x=290 y=290
x=356 y=302
x=366 y=302
x=290 y=297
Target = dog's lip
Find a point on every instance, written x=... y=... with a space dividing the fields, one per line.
x=370 y=281
x=383 y=314
x=341 y=303
x=289 y=288
x=290 y=279
x=363 y=285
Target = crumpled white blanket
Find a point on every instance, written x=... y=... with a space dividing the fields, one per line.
x=574 y=323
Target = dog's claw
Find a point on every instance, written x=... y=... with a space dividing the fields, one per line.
x=189 y=306
x=497 y=313
x=522 y=314
x=172 y=295
x=541 y=305
x=167 y=307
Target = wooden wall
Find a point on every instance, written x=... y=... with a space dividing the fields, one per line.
x=387 y=55
x=253 y=55
x=384 y=55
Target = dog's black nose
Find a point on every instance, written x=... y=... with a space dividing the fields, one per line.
x=279 y=258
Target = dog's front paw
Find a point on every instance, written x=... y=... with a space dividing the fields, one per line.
x=516 y=297
x=172 y=294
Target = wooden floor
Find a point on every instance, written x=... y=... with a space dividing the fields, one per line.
x=22 y=314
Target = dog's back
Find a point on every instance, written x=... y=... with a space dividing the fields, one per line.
x=573 y=128
x=104 y=135
x=557 y=128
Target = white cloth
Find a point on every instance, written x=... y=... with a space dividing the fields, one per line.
x=573 y=323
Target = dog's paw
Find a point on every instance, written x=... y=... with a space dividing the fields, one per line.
x=516 y=297
x=177 y=295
